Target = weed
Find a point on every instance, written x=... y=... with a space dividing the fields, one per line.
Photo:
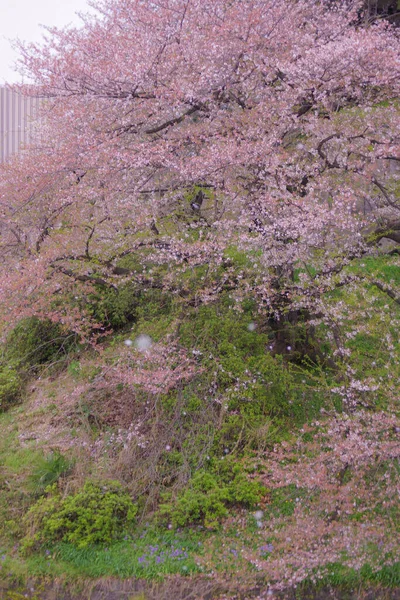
x=49 y=470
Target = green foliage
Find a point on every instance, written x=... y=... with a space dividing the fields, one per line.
x=383 y=268
x=113 y=308
x=224 y=332
x=270 y=390
x=74 y=369
x=97 y=514
x=129 y=304
x=10 y=386
x=48 y=471
x=210 y=494
x=241 y=431
x=149 y=554
x=36 y=342
x=155 y=313
x=16 y=463
x=261 y=395
x=370 y=324
x=244 y=398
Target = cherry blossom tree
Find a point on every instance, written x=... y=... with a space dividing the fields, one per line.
x=183 y=128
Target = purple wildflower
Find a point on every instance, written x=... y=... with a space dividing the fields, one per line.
x=266 y=549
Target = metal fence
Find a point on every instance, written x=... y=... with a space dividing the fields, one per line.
x=17 y=119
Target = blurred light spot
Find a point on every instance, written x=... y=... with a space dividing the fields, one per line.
x=143 y=342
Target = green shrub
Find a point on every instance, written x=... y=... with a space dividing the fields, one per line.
x=129 y=304
x=113 y=308
x=210 y=494
x=36 y=342
x=10 y=387
x=97 y=514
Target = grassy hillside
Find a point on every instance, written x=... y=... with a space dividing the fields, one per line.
x=222 y=454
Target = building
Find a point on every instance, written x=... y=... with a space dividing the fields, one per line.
x=17 y=120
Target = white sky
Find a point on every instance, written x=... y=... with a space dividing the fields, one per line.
x=22 y=19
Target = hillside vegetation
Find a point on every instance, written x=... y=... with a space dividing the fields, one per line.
x=199 y=306
x=256 y=463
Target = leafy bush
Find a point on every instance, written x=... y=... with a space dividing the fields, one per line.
x=113 y=308
x=10 y=387
x=128 y=304
x=227 y=332
x=210 y=494
x=97 y=514
x=49 y=470
x=35 y=342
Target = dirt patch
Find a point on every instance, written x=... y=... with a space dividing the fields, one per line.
x=199 y=588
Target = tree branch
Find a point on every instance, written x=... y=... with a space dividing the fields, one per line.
x=386 y=290
x=174 y=121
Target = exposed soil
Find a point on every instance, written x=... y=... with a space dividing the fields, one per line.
x=178 y=588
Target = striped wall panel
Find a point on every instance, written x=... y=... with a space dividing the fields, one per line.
x=17 y=117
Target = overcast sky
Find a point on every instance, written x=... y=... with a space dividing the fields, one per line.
x=22 y=19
